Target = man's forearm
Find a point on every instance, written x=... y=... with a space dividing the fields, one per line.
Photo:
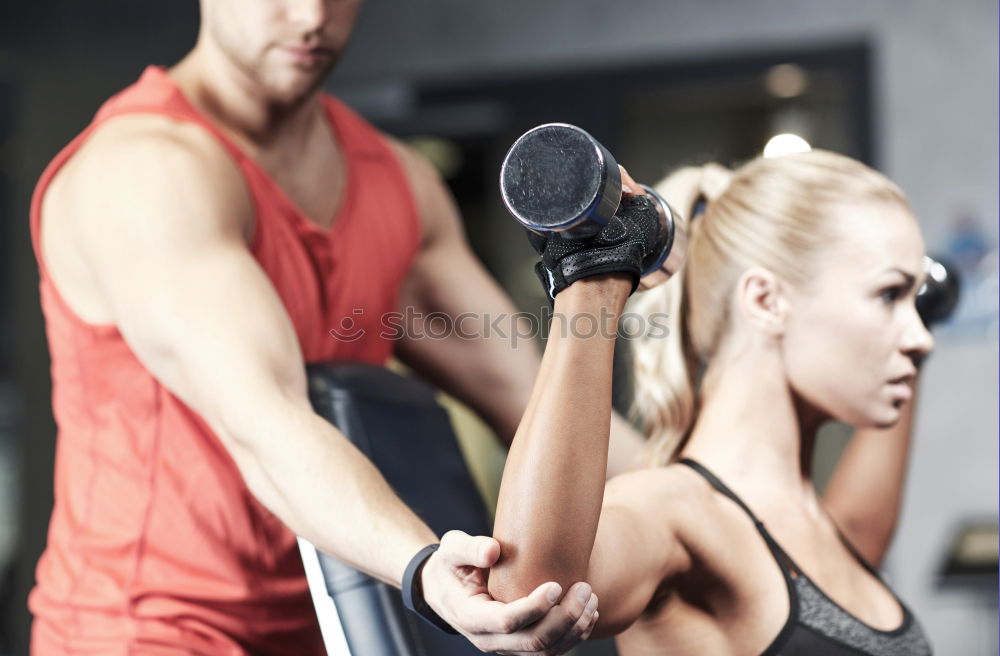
x=309 y=475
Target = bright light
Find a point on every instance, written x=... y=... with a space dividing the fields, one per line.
x=786 y=81
x=784 y=144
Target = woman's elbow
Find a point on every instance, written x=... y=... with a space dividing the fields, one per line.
x=517 y=576
x=506 y=585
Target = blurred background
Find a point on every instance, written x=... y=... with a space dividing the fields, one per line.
x=908 y=86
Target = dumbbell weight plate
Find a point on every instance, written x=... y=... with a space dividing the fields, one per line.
x=937 y=299
x=558 y=178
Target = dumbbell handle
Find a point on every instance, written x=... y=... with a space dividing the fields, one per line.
x=557 y=178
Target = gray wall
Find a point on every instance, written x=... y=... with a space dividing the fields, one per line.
x=936 y=78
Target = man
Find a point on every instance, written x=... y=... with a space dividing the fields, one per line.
x=196 y=244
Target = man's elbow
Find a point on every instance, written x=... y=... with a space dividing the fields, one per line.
x=253 y=422
x=235 y=426
x=255 y=433
x=255 y=436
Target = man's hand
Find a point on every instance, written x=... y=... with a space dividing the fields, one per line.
x=454 y=584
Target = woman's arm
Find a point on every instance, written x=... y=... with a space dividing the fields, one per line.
x=549 y=521
x=865 y=492
x=553 y=483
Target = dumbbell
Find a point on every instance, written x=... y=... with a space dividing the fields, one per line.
x=937 y=298
x=558 y=178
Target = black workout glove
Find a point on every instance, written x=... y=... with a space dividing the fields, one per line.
x=631 y=242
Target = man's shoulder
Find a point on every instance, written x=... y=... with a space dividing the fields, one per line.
x=152 y=152
x=159 y=142
x=148 y=162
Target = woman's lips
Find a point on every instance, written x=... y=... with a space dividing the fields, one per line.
x=901 y=389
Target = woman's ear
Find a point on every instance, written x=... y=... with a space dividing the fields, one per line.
x=762 y=300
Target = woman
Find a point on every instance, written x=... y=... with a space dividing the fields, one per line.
x=796 y=305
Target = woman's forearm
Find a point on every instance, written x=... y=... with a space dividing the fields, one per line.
x=865 y=492
x=553 y=483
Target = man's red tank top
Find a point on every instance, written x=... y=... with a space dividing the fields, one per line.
x=155 y=543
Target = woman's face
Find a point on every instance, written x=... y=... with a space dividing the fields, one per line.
x=853 y=331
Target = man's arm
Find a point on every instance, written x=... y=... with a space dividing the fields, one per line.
x=163 y=231
x=865 y=491
x=491 y=373
x=160 y=215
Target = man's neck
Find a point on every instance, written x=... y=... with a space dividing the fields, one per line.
x=234 y=101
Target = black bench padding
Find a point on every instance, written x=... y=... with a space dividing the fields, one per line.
x=399 y=425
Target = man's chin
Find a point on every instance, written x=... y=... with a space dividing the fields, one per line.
x=293 y=88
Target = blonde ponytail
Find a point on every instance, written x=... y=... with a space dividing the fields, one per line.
x=665 y=368
x=664 y=371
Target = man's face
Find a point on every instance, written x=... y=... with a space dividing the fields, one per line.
x=287 y=47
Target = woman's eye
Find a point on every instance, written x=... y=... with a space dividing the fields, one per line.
x=891 y=294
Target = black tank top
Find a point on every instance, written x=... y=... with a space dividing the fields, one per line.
x=816 y=625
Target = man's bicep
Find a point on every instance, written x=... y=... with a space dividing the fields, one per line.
x=171 y=261
x=489 y=358
x=211 y=328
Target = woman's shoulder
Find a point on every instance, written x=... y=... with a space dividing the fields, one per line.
x=674 y=493
x=672 y=478
x=681 y=502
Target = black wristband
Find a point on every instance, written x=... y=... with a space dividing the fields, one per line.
x=413 y=590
